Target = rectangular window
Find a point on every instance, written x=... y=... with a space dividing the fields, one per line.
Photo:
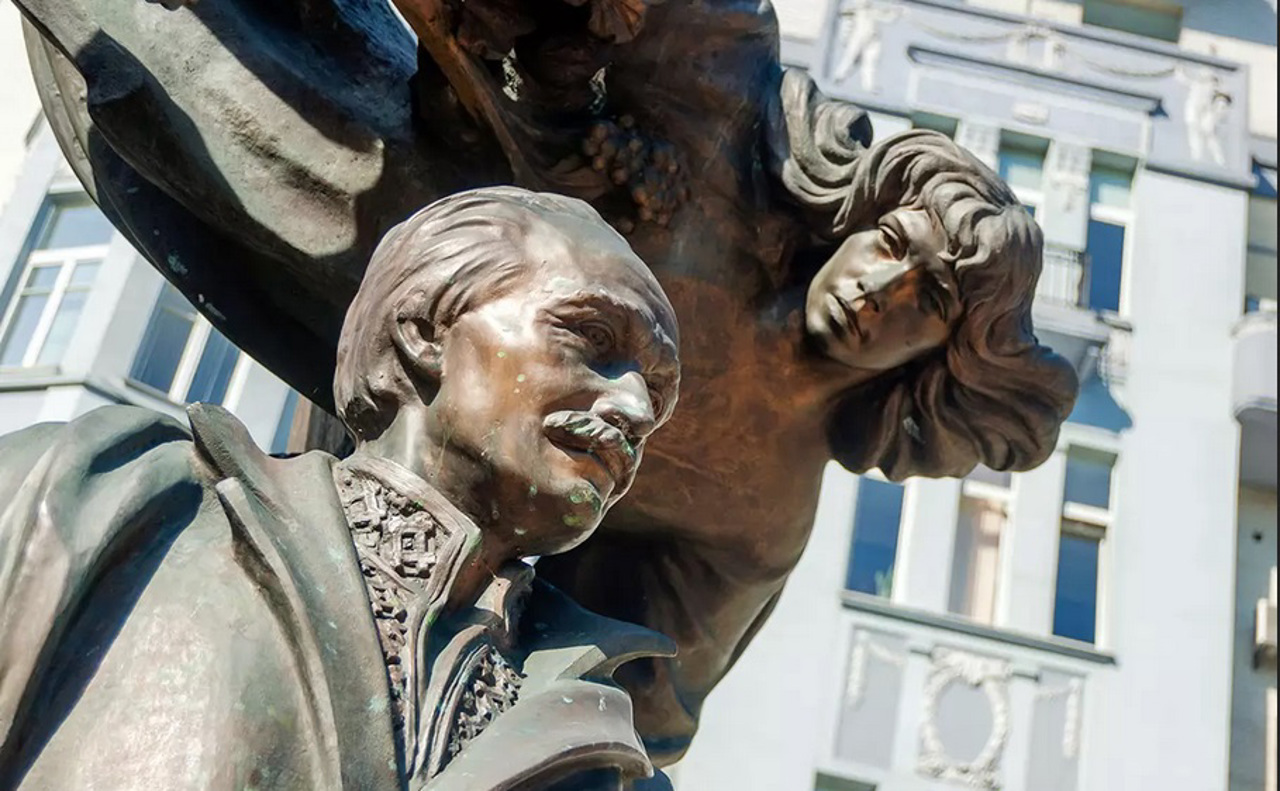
x=1149 y=18
x=984 y=511
x=68 y=244
x=1106 y=243
x=1075 y=611
x=1260 y=260
x=826 y=782
x=938 y=123
x=166 y=339
x=1021 y=165
x=182 y=356
x=1086 y=521
x=1105 y=248
x=280 y=442
x=876 y=522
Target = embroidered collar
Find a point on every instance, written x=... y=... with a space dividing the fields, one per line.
x=411 y=543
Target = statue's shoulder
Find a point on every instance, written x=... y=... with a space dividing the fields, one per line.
x=104 y=438
x=234 y=577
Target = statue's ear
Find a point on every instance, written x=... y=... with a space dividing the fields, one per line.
x=417 y=341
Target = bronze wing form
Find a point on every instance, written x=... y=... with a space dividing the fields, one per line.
x=254 y=152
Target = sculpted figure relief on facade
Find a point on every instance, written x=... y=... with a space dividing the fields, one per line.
x=839 y=298
x=1205 y=109
x=862 y=45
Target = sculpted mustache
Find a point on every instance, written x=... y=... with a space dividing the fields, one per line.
x=585 y=431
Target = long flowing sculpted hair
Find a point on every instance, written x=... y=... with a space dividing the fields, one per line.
x=993 y=395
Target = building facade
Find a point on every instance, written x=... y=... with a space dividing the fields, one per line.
x=85 y=321
x=1105 y=622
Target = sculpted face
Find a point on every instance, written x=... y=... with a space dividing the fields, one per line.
x=885 y=297
x=547 y=394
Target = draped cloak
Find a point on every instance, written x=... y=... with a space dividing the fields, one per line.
x=179 y=610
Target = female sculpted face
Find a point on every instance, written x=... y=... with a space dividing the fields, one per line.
x=885 y=297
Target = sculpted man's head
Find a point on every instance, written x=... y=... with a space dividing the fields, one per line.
x=511 y=349
x=925 y=296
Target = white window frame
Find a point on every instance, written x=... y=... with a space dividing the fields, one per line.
x=1092 y=523
x=67 y=258
x=189 y=362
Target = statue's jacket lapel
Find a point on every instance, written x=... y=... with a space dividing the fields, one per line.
x=286 y=516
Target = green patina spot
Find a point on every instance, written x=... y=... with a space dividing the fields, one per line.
x=520 y=377
x=377 y=704
x=501 y=354
x=533 y=491
x=175 y=263
x=573 y=521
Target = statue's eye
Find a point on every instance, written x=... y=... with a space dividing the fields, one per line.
x=599 y=337
x=656 y=399
x=893 y=240
x=935 y=301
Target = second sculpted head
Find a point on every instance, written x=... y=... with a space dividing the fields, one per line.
x=509 y=348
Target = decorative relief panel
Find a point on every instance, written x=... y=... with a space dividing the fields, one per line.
x=872 y=698
x=860 y=43
x=991 y=677
x=1056 y=730
x=1112 y=91
x=982 y=140
x=1067 y=167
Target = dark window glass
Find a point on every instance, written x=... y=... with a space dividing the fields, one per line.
x=1075 y=611
x=166 y=338
x=1021 y=169
x=280 y=442
x=42 y=278
x=22 y=327
x=876 y=520
x=1151 y=18
x=830 y=783
x=1106 y=258
x=938 y=123
x=74 y=225
x=63 y=325
x=1089 y=477
x=213 y=374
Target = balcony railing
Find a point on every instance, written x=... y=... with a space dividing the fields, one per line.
x=1063 y=277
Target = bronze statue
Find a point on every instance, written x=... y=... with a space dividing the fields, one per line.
x=839 y=299
x=180 y=610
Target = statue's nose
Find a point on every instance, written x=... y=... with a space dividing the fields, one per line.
x=627 y=406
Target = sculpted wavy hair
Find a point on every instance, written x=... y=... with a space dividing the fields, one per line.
x=435 y=266
x=993 y=395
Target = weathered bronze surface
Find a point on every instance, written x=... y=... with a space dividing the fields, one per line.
x=181 y=611
x=838 y=299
